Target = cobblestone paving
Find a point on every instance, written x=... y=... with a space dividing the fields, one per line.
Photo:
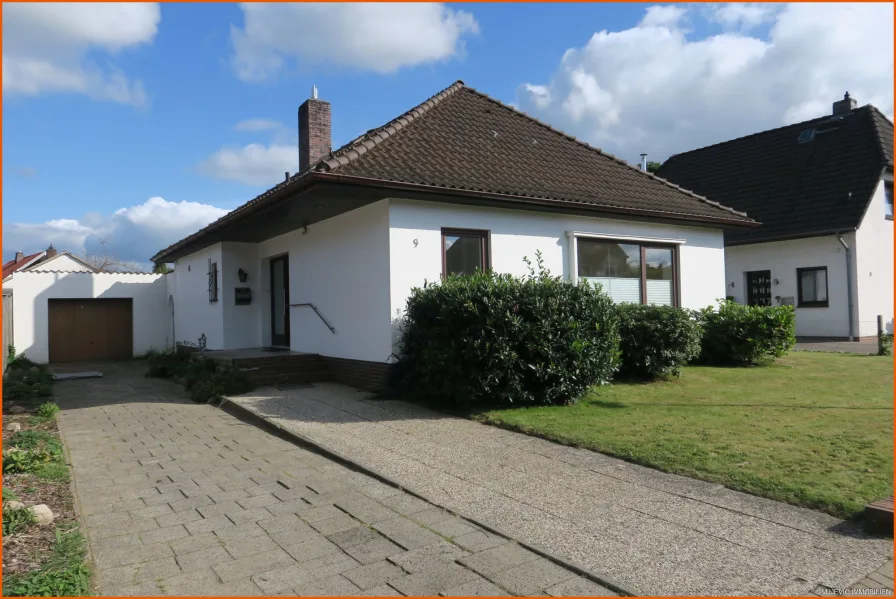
x=178 y=498
x=879 y=582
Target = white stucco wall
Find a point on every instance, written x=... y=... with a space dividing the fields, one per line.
x=782 y=258
x=194 y=315
x=242 y=323
x=874 y=267
x=61 y=263
x=416 y=246
x=341 y=265
x=33 y=289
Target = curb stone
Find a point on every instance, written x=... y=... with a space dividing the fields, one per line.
x=251 y=417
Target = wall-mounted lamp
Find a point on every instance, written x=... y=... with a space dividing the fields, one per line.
x=776 y=281
x=243 y=275
x=731 y=284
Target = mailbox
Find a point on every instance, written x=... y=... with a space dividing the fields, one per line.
x=243 y=296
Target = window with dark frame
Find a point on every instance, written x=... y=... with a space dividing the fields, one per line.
x=464 y=251
x=212 y=282
x=888 y=199
x=812 y=287
x=630 y=272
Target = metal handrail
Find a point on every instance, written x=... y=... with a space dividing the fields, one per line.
x=319 y=315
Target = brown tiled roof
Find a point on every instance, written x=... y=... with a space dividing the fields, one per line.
x=795 y=189
x=14 y=265
x=464 y=141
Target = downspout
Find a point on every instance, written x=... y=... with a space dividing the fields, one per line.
x=848 y=283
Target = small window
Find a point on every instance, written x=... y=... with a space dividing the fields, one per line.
x=213 y=282
x=812 y=287
x=888 y=199
x=464 y=251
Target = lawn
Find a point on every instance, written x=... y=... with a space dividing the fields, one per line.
x=812 y=429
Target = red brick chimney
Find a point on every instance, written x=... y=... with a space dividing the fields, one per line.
x=51 y=251
x=314 y=131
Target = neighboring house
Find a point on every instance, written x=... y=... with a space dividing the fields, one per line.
x=823 y=193
x=325 y=261
x=45 y=261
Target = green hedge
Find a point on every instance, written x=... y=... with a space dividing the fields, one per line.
x=739 y=335
x=497 y=339
x=656 y=340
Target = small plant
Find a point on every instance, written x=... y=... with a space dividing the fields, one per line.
x=21 y=461
x=23 y=383
x=656 y=340
x=885 y=345
x=213 y=387
x=166 y=364
x=740 y=335
x=55 y=471
x=16 y=519
x=36 y=440
x=47 y=410
x=64 y=575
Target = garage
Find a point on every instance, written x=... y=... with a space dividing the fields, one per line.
x=90 y=329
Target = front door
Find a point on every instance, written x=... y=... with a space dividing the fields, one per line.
x=280 y=301
x=759 y=288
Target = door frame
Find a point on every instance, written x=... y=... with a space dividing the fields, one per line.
x=280 y=340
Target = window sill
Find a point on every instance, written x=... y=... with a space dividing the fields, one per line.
x=889 y=217
x=813 y=305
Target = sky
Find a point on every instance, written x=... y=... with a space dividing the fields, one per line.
x=129 y=126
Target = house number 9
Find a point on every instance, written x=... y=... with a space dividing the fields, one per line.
x=415 y=243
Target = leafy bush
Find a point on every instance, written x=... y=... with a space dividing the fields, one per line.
x=27 y=383
x=215 y=386
x=47 y=410
x=16 y=519
x=197 y=370
x=885 y=345
x=490 y=338
x=166 y=364
x=741 y=335
x=17 y=361
x=656 y=340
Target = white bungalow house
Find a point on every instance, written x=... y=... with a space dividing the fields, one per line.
x=323 y=263
x=823 y=191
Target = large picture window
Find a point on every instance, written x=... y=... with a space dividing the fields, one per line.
x=629 y=272
x=464 y=251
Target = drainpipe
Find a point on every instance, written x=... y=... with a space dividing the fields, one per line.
x=848 y=283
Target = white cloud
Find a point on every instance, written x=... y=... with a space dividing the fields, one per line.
x=132 y=234
x=380 y=37
x=254 y=164
x=653 y=89
x=256 y=125
x=45 y=47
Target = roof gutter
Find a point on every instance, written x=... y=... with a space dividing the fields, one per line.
x=544 y=202
x=848 y=284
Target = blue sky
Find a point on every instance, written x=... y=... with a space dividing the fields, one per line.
x=132 y=137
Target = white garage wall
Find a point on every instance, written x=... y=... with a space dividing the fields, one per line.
x=33 y=289
x=782 y=258
x=341 y=265
x=874 y=266
x=194 y=315
x=416 y=246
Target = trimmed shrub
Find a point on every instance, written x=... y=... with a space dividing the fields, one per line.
x=166 y=364
x=28 y=384
x=740 y=335
x=656 y=341
x=496 y=339
x=216 y=385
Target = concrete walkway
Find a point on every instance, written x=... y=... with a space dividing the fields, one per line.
x=178 y=498
x=655 y=533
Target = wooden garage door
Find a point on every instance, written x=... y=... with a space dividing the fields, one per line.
x=90 y=329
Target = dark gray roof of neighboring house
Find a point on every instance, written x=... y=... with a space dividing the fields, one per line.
x=464 y=141
x=795 y=189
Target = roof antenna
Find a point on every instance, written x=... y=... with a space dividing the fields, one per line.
x=314 y=92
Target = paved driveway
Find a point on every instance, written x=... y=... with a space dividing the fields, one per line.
x=656 y=533
x=179 y=498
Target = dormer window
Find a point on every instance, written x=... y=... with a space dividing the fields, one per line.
x=888 y=199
